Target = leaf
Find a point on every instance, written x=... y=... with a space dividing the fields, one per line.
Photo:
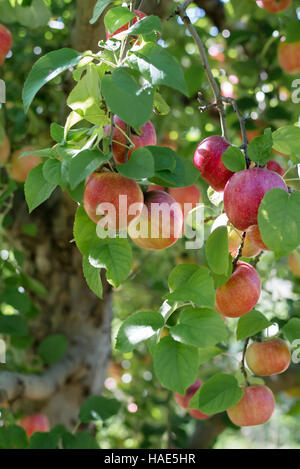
x=145 y=26
x=139 y=166
x=234 y=159
x=52 y=171
x=45 y=69
x=216 y=249
x=83 y=164
x=117 y=17
x=37 y=189
x=292 y=30
x=98 y=408
x=159 y=67
x=189 y=282
x=287 y=140
x=46 y=440
x=138 y=328
x=33 y=16
x=92 y=277
x=13 y=325
x=123 y=95
x=56 y=132
x=13 y=437
x=292 y=330
x=84 y=232
x=259 y=149
x=219 y=393
x=19 y=300
x=175 y=364
x=99 y=9
x=82 y=440
x=199 y=327
x=53 y=348
x=208 y=353
x=279 y=221
x=250 y=324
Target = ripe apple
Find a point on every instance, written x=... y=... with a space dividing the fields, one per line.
x=18 y=167
x=255 y=408
x=197 y=414
x=146 y=137
x=5 y=150
x=268 y=358
x=5 y=42
x=208 y=160
x=155 y=187
x=254 y=235
x=160 y=224
x=244 y=192
x=294 y=263
x=289 y=57
x=102 y=188
x=240 y=293
x=139 y=15
x=272 y=165
x=35 y=423
x=274 y=6
x=184 y=401
x=186 y=195
x=250 y=249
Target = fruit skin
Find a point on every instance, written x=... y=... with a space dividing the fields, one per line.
x=268 y=358
x=5 y=150
x=294 y=263
x=272 y=165
x=155 y=187
x=255 y=408
x=253 y=233
x=240 y=293
x=197 y=414
x=289 y=57
x=244 y=193
x=250 y=249
x=208 y=160
x=186 y=195
x=139 y=15
x=35 y=423
x=184 y=401
x=172 y=219
x=19 y=168
x=5 y=42
x=106 y=188
x=147 y=137
x=274 y=6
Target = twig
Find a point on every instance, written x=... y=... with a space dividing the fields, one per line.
x=239 y=253
x=257 y=259
x=243 y=369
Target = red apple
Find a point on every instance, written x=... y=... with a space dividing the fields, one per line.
x=244 y=192
x=147 y=137
x=274 y=6
x=160 y=224
x=208 y=160
x=289 y=57
x=107 y=187
x=155 y=187
x=253 y=233
x=240 y=293
x=294 y=263
x=35 y=423
x=139 y=15
x=255 y=408
x=268 y=358
x=197 y=414
x=5 y=150
x=5 y=42
x=184 y=400
x=186 y=195
x=272 y=165
x=19 y=168
x=250 y=249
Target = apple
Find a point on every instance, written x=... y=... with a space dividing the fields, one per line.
x=147 y=137
x=184 y=401
x=139 y=15
x=244 y=192
x=5 y=150
x=35 y=423
x=250 y=249
x=18 y=167
x=294 y=263
x=5 y=42
x=106 y=188
x=197 y=414
x=253 y=233
x=268 y=358
x=272 y=165
x=155 y=187
x=208 y=160
x=160 y=223
x=186 y=195
x=240 y=293
x=255 y=408
x=289 y=57
x=274 y=6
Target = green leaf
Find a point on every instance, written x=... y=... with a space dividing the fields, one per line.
x=53 y=348
x=99 y=9
x=123 y=95
x=292 y=31
x=33 y=16
x=234 y=159
x=160 y=104
x=287 y=140
x=52 y=171
x=259 y=149
x=92 y=277
x=250 y=324
x=220 y=280
x=84 y=232
x=13 y=325
x=45 y=69
x=13 y=437
x=37 y=189
x=98 y=408
x=56 y=132
x=208 y=353
x=45 y=440
x=17 y=299
x=199 y=327
x=159 y=67
x=117 y=17
x=139 y=166
x=189 y=282
x=292 y=330
x=279 y=221
x=216 y=249
x=175 y=364
x=145 y=26
x=219 y=393
x=137 y=328
x=83 y=164
x=82 y=440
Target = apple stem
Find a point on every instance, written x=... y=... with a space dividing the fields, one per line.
x=243 y=369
